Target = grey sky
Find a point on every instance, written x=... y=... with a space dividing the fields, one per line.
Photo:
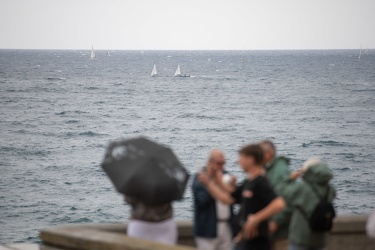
x=188 y=24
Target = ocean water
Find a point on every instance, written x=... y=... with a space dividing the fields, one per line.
x=59 y=110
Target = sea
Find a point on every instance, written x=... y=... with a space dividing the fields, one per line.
x=60 y=109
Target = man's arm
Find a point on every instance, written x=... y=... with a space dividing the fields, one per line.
x=201 y=195
x=216 y=192
x=227 y=187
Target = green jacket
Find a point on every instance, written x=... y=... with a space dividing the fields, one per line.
x=278 y=173
x=301 y=194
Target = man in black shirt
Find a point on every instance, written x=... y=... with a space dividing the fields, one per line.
x=257 y=199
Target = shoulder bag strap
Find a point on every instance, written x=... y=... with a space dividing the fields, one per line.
x=303 y=212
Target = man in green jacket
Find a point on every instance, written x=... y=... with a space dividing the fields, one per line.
x=278 y=174
x=304 y=197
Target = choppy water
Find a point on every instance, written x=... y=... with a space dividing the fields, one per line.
x=59 y=110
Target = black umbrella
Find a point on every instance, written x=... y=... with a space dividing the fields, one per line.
x=145 y=170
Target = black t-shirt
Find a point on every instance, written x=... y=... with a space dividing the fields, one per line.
x=254 y=195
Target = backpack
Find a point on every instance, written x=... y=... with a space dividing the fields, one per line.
x=321 y=219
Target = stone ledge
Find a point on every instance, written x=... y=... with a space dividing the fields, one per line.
x=349 y=224
x=26 y=247
x=104 y=237
x=348 y=233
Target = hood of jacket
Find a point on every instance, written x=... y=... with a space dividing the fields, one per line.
x=318 y=174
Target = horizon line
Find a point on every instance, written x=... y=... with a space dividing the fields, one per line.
x=100 y=49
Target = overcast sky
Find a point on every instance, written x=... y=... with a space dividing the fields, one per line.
x=187 y=24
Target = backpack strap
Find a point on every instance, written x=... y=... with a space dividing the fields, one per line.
x=327 y=193
x=303 y=212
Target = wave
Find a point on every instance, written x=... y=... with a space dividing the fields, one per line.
x=344 y=169
x=56 y=78
x=98 y=145
x=84 y=133
x=67 y=112
x=24 y=151
x=71 y=121
x=363 y=90
x=325 y=143
x=92 y=88
x=347 y=155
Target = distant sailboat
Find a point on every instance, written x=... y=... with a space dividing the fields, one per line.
x=178 y=71
x=108 y=54
x=154 y=72
x=360 y=53
x=92 y=53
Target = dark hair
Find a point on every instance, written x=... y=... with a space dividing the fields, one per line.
x=253 y=150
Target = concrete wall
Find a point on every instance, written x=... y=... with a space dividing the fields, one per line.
x=348 y=234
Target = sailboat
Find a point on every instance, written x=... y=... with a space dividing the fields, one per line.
x=178 y=71
x=92 y=53
x=154 y=72
x=108 y=54
x=360 y=53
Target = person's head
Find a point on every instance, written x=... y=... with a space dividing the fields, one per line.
x=313 y=161
x=216 y=160
x=250 y=156
x=269 y=150
x=316 y=171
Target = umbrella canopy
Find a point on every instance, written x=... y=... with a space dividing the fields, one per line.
x=145 y=170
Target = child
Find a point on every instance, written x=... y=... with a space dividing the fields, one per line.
x=258 y=201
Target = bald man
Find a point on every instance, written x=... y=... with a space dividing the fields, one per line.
x=278 y=172
x=212 y=219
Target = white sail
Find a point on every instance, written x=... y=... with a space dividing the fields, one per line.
x=92 y=53
x=108 y=54
x=360 y=53
x=178 y=71
x=154 y=71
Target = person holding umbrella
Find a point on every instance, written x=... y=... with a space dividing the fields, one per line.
x=151 y=177
x=151 y=222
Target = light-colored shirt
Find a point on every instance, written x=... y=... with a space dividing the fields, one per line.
x=222 y=211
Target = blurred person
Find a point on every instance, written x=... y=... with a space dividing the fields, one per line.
x=278 y=172
x=212 y=218
x=311 y=200
x=154 y=223
x=256 y=197
x=370 y=225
